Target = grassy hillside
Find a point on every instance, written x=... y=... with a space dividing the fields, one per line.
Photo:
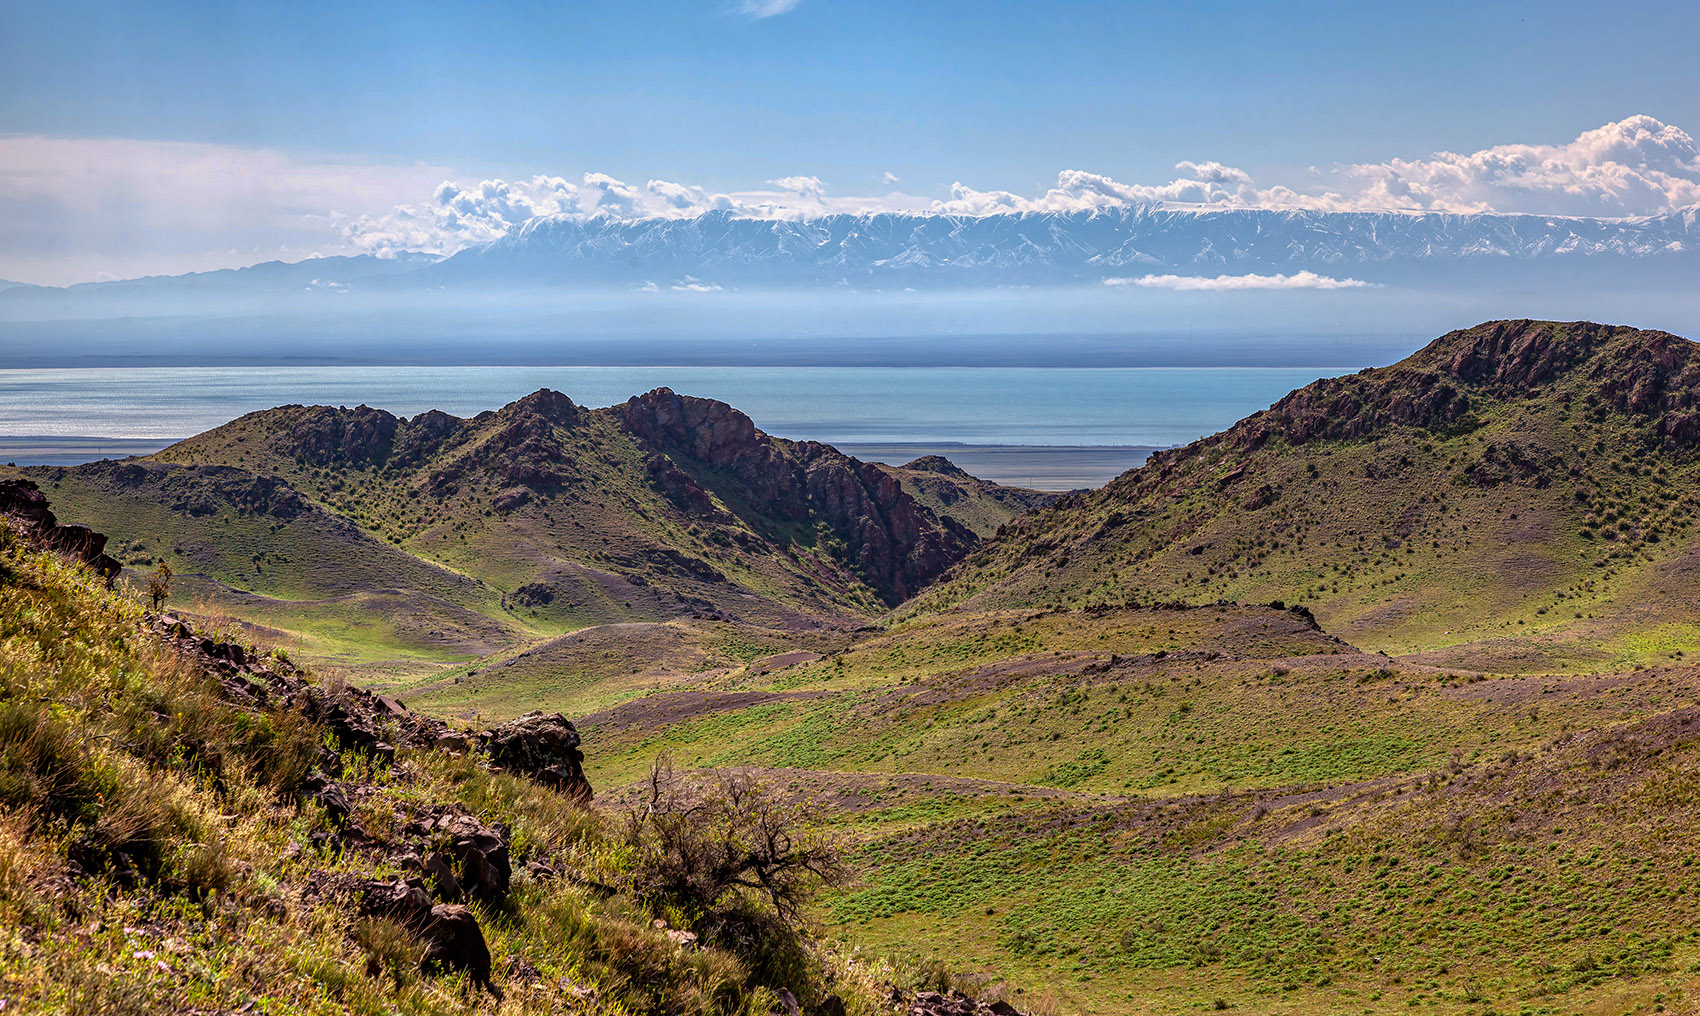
x=1518 y=496
x=1112 y=755
x=252 y=546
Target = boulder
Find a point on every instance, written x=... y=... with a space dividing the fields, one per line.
x=454 y=942
x=542 y=746
x=480 y=854
x=402 y=901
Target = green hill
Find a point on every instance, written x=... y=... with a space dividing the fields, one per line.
x=1516 y=496
x=368 y=538
x=949 y=491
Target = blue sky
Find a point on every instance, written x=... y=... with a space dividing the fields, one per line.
x=1000 y=96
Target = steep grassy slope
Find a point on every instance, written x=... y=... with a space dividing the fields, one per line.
x=252 y=546
x=1517 y=496
x=189 y=826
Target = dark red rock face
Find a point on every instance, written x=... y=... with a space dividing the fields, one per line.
x=325 y=435
x=897 y=545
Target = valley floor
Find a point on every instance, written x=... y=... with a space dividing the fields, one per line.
x=1161 y=809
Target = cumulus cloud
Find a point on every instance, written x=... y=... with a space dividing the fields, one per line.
x=802 y=186
x=1208 y=184
x=1637 y=166
x=685 y=200
x=457 y=216
x=1219 y=283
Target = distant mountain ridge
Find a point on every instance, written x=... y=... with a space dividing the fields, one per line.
x=722 y=249
x=1046 y=246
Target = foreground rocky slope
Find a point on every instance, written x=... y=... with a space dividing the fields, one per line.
x=192 y=825
x=1519 y=495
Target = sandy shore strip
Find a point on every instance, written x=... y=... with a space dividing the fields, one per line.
x=71 y=451
x=1041 y=467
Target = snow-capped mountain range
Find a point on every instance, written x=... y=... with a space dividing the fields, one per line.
x=888 y=250
x=1047 y=247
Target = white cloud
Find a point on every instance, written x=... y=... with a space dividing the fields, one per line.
x=1637 y=166
x=457 y=216
x=1206 y=184
x=891 y=179
x=765 y=8
x=802 y=186
x=1219 y=283
x=686 y=200
x=692 y=284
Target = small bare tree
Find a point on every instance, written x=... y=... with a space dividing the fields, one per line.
x=159 y=584
x=713 y=842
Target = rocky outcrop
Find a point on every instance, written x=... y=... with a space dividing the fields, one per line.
x=524 y=448
x=425 y=435
x=542 y=746
x=453 y=941
x=940 y=465
x=896 y=545
x=24 y=503
x=361 y=720
x=327 y=435
x=1648 y=373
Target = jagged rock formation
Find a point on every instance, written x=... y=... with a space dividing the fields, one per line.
x=23 y=502
x=1650 y=373
x=936 y=464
